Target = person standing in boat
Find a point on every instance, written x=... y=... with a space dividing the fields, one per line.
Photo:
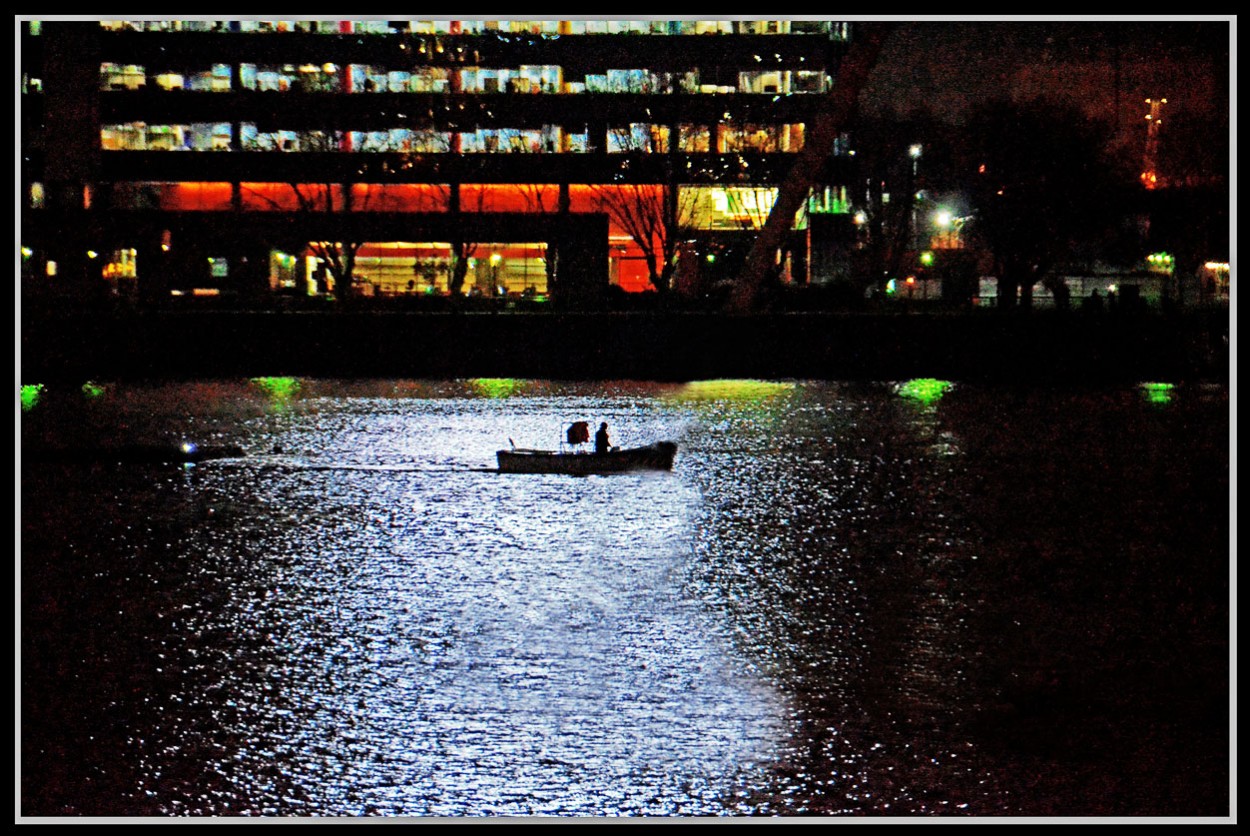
x=602 y=444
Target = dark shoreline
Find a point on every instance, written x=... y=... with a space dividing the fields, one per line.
x=1037 y=347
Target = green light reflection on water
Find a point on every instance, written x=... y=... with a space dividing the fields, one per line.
x=1159 y=393
x=740 y=391
x=30 y=395
x=924 y=390
x=278 y=389
x=496 y=387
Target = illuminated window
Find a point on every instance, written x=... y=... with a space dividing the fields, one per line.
x=619 y=27
x=810 y=81
x=279 y=140
x=401 y=140
x=787 y=138
x=215 y=79
x=739 y=207
x=121 y=265
x=139 y=136
x=122 y=76
x=642 y=137
x=169 y=81
x=430 y=27
x=831 y=200
x=829 y=29
x=695 y=139
x=173 y=196
x=762 y=27
x=547 y=139
x=631 y=81
x=770 y=81
x=430 y=80
x=576 y=143
x=371 y=27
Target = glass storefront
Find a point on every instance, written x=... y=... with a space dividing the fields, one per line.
x=401 y=268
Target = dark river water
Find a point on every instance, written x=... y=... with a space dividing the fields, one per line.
x=894 y=599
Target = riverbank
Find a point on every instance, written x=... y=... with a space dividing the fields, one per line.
x=1041 y=346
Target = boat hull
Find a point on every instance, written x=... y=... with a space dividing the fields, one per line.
x=657 y=456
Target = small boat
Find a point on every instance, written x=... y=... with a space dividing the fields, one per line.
x=658 y=456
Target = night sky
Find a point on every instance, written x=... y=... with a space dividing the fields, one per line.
x=946 y=66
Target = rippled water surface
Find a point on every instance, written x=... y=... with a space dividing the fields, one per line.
x=872 y=599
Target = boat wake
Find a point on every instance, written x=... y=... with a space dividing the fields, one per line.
x=270 y=462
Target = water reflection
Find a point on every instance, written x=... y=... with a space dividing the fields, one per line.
x=844 y=600
x=845 y=579
x=30 y=394
x=279 y=390
x=925 y=390
x=741 y=392
x=497 y=387
x=1158 y=393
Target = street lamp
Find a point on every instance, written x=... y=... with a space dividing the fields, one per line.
x=949 y=228
x=495 y=260
x=1165 y=264
x=914 y=153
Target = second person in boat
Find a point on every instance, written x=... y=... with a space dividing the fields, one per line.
x=602 y=444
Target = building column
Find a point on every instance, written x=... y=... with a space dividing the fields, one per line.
x=71 y=85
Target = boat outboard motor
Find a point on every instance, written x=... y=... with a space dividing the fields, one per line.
x=578 y=433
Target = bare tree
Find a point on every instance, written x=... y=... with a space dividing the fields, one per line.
x=462 y=249
x=322 y=198
x=656 y=216
x=545 y=199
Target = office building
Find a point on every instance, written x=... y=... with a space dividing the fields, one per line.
x=165 y=160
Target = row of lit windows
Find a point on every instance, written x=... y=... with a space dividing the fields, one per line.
x=358 y=78
x=550 y=139
x=701 y=207
x=704 y=207
x=835 y=30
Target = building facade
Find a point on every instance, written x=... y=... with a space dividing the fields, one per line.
x=397 y=158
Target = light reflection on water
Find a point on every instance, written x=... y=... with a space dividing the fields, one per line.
x=830 y=606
